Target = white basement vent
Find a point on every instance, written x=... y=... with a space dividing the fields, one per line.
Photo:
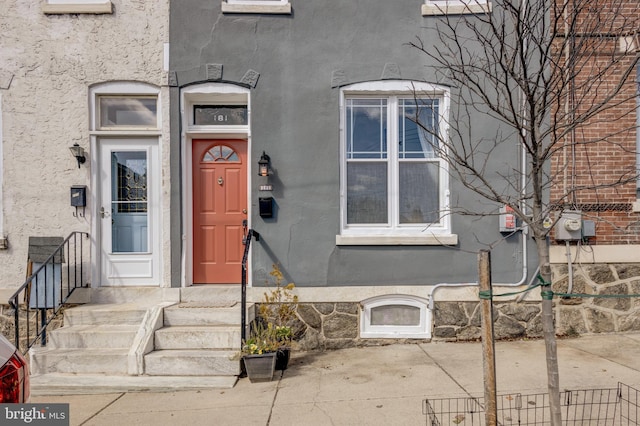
x=395 y=316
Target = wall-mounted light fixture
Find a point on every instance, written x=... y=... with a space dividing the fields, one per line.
x=264 y=168
x=78 y=152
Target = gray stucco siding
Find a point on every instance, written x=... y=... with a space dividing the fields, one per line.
x=295 y=119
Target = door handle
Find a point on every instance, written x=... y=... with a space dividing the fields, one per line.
x=220 y=180
x=104 y=213
x=244 y=211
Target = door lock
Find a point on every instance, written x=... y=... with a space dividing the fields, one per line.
x=103 y=213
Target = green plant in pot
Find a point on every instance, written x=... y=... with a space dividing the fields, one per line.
x=259 y=352
x=278 y=309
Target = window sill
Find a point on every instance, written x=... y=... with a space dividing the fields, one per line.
x=397 y=240
x=457 y=9
x=68 y=8
x=284 y=9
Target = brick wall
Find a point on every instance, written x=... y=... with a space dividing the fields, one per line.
x=596 y=172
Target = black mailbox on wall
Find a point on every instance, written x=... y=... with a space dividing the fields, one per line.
x=78 y=196
x=266 y=206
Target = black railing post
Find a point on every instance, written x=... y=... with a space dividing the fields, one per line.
x=243 y=303
x=43 y=326
x=46 y=299
x=16 y=320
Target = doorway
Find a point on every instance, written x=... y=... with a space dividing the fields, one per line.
x=219 y=170
x=128 y=211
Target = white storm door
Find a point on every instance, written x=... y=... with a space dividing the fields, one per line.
x=128 y=212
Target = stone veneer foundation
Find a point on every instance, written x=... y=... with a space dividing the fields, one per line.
x=323 y=326
x=336 y=325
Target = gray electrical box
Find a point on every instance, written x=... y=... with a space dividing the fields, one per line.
x=588 y=229
x=569 y=226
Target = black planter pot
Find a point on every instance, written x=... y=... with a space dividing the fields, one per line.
x=260 y=367
x=282 y=358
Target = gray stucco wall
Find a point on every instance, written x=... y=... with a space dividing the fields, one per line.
x=295 y=119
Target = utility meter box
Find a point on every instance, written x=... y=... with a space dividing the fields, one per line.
x=507 y=220
x=569 y=226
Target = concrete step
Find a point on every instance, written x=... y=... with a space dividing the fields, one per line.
x=93 y=336
x=86 y=384
x=119 y=295
x=211 y=294
x=82 y=361
x=94 y=314
x=195 y=314
x=198 y=337
x=207 y=362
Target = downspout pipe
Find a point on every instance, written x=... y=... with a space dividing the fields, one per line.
x=524 y=229
x=638 y=130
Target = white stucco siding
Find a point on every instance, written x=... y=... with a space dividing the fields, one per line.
x=51 y=61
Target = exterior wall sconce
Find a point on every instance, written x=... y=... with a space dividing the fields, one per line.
x=264 y=168
x=78 y=152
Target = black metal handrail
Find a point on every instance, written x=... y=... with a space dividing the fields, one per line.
x=46 y=290
x=245 y=256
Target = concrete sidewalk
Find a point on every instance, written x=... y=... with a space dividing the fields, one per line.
x=369 y=386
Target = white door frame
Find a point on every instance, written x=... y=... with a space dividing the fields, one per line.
x=207 y=93
x=142 y=269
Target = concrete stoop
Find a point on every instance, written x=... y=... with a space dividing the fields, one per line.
x=137 y=339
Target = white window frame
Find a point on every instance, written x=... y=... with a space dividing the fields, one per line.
x=455 y=7
x=77 y=6
x=394 y=233
x=420 y=331
x=123 y=89
x=256 y=6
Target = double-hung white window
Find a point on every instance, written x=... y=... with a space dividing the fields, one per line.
x=394 y=181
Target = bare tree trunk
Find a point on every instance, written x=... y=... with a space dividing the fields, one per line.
x=548 y=328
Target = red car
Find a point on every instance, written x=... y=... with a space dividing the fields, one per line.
x=14 y=374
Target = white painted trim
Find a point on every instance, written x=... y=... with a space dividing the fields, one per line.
x=121 y=88
x=619 y=253
x=407 y=234
x=154 y=256
x=274 y=7
x=444 y=7
x=426 y=240
x=52 y=7
x=2 y=234
x=165 y=56
x=124 y=88
x=349 y=294
x=420 y=331
x=202 y=94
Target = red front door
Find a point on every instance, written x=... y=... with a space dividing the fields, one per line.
x=219 y=209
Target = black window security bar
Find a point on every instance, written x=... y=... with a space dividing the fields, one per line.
x=54 y=278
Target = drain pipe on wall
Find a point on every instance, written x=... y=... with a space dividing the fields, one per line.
x=524 y=229
x=638 y=129
x=4 y=241
x=525 y=268
x=525 y=263
x=570 y=266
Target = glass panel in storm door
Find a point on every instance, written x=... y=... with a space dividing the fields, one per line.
x=129 y=202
